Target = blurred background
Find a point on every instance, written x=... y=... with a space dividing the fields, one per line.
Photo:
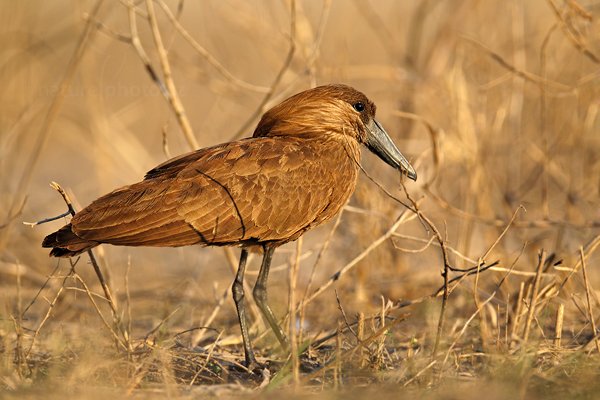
x=496 y=104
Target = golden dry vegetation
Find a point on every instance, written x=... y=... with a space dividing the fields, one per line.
x=496 y=104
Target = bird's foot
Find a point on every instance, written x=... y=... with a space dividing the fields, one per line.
x=253 y=366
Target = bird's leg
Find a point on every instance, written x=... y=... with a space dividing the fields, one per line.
x=238 y=298
x=260 y=296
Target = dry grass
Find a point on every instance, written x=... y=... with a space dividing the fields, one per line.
x=496 y=104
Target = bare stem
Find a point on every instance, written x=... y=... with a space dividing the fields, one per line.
x=533 y=297
x=173 y=98
x=286 y=64
x=107 y=293
x=588 y=299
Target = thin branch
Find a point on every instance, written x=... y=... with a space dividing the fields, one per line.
x=102 y=27
x=286 y=64
x=567 y=29
x=123 y=343
x=107 y=293
x=589 y=248
x=528 y=76
x=542 y=223
x=402 y=218
x=293 y=335
x=46 y=220
x=434 y=134
x=534 y=292
x=324 y=248
x=445 y=270
x=173 y=98
x=14 y=216
x=588 y=299
x=141 y=52
x=50 y=117
x=48 y=312
x=206 y=55
x=510 y=222
x=341 y=308
x=466 y=325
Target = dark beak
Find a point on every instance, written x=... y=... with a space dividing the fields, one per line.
x=380 y=143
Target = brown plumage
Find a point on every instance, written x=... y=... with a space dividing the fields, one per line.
x=296 y=172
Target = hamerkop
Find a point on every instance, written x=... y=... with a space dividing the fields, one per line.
x=296 y=172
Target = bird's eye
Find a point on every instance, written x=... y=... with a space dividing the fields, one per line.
x=360 y=107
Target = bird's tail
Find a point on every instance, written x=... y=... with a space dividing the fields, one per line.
x=65 y=243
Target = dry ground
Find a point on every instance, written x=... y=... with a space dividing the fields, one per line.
x=496 y=104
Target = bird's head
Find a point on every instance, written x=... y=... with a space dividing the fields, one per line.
x=333 y=110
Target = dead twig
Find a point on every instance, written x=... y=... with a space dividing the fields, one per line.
x=123 y=343
x=466 y=325
x=533 y=296
x=293 y=280
x=402 y=218
x=49 y=311
x=324 y=247
x=141 y=52
x=589 y=301
x=528 y=76
x=107 y=293
x=173 y=98
x=421 y=372
x=286 y=64
x=560 y=314
x=572 y=35
x=206 y=55
x=508 y=225
x=445 y=271
x=344 y=316
x=14 y=216
x=49 y=118
x=434 y=134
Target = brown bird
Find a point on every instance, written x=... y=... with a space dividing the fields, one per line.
x=296 y=172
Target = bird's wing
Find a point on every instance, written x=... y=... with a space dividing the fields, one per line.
x=246 y=191
x=172 y=167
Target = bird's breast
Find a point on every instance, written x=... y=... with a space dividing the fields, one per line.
x=321 y=178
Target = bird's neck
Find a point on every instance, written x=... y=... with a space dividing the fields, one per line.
x=340 y=149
